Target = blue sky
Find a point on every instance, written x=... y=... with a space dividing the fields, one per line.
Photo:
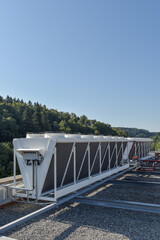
x=100 y=58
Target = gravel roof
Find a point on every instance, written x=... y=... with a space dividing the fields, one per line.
x=79 y=221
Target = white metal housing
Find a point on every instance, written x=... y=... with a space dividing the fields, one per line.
x=53 y=165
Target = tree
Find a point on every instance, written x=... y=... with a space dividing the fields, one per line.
x=37 y=119
x=8 y=129
x=63 y=126
x=1 y=99
x=27 y=120
x=45 y=121
x=9 y=99
x=30 y=103
x=6 y=156
x=120 y=132
x=83 y=120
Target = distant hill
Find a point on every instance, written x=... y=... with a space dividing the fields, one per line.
x=17 y=118
x=139 y=133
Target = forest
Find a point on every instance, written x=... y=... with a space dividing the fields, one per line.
x=18 y=118
x=139 y=133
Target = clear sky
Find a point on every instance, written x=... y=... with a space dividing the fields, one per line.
x=100 y=58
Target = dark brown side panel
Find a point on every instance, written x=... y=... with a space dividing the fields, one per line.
x=49 y=181
x=80 y=152
x=112 y=154
x=93 y=150
x=132 y=151
x=63 y=153
x=105 y=157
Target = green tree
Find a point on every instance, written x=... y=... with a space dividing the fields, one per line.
x=27 y=120
x=37 y=119
x=8 y=129
x=45 y=121
x=63 y=126
x=6 y=159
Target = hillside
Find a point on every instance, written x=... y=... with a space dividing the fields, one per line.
x=135 y=132
x=17 y=118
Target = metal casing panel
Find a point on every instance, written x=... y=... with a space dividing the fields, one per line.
x=80 y=152
x=64 y=152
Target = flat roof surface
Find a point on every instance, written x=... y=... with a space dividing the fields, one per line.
x=79 y=221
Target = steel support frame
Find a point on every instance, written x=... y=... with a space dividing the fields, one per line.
x=98 y=150
x=13 y=186
x=55 y=174
x=56 y=193
x=14 y=168
x=137 y=172
x=143 y=149
x=118 y=153
x=135 y=146
x=85 y=154
x=77 y=184
x=105 y=153
x=136 y=183
x=42 y=197
x=127 y=205
x=14 y=172
x=120 y=149
x=81 y=184
x=139 y=149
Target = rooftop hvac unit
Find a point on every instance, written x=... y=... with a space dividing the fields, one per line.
x=53 y=165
